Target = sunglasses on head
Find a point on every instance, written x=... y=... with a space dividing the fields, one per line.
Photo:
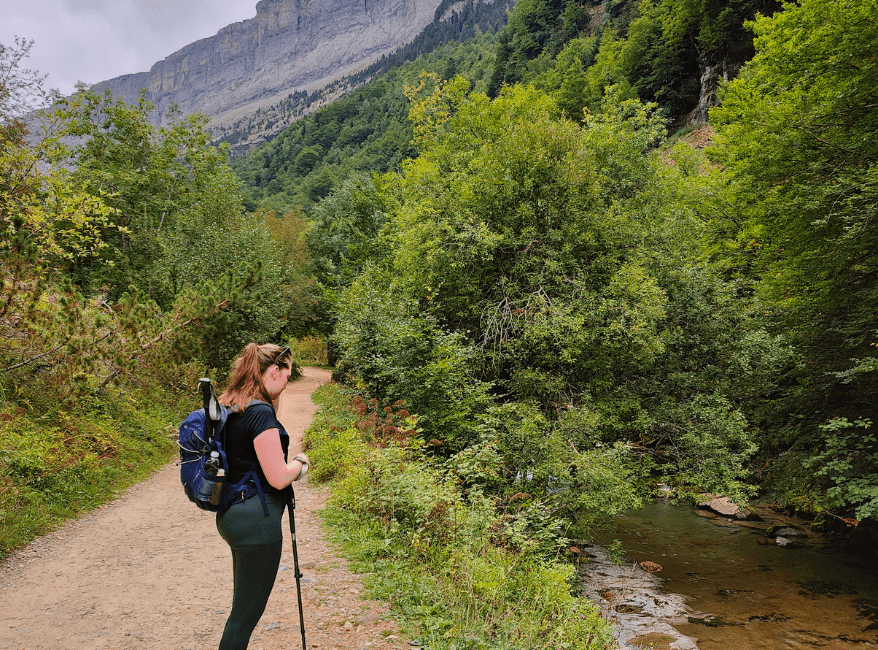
x=280 y=355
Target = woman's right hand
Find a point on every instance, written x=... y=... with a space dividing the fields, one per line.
x=304 y=463
x=303 y=457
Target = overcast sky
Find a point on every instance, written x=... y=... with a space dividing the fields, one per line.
x=96 y=40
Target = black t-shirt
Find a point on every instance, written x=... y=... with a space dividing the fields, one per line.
x=237 y=437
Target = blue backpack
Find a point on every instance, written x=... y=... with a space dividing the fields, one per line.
x=203 y=462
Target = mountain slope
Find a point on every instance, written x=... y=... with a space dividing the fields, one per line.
x=367 y=130
x=289 y=46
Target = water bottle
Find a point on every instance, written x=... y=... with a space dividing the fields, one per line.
x=217 y=486
x=206 y=486
x=212 y=464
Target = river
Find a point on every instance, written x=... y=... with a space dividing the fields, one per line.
x=742 y=591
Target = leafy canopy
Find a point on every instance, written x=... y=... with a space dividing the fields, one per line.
x=553 y=264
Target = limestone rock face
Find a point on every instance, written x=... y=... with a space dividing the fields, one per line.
x=290 y=45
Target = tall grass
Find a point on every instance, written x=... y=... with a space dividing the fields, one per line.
x=58 y=463
x=436 y=550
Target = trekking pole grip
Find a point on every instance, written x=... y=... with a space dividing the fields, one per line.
x=206 y=393
x=204 y=385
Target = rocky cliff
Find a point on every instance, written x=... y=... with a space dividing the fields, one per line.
x=291 y=45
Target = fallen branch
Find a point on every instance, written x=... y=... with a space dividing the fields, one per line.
x=849 y=522
x=39 y=356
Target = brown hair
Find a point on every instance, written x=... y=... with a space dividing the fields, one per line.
x=245 y=384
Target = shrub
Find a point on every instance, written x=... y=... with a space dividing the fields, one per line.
x=848 y=463
x=54 y=465
x=310 y=350
x=456 y=570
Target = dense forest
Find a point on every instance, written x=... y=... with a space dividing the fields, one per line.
x=602 y=246
x=674 y=53
x=556 y=265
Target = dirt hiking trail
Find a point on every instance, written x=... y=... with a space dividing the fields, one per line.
x=149 y=571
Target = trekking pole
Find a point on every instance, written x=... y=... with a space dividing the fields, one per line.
x=206 y=394
x=291 y=502
x=212 y=412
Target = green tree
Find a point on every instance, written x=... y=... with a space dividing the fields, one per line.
x=21 y=89
x=566 y=258
x=801 y=154
x=47 y=219
x=59 y=344
x=148 y=175
x=305 y=312
x=796 y=136
x=342 y=232
x=535 y=28
x=175 y=226
x=392 y=350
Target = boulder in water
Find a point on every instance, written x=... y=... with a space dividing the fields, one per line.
x=725 y=507
x=786 y=531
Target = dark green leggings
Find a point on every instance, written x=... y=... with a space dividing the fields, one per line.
x=256 y=542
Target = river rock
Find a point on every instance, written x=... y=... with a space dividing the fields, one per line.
x=725 y=507
x=664 y=490
x=633 y=599
x=786 y=531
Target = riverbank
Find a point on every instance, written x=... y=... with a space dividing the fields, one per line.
x=740 y=583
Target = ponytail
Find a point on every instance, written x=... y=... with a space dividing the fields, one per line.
x=245 y=383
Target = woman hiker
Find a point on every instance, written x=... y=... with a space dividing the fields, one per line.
x=254 y=439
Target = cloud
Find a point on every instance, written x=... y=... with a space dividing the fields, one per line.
x=95 y=40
